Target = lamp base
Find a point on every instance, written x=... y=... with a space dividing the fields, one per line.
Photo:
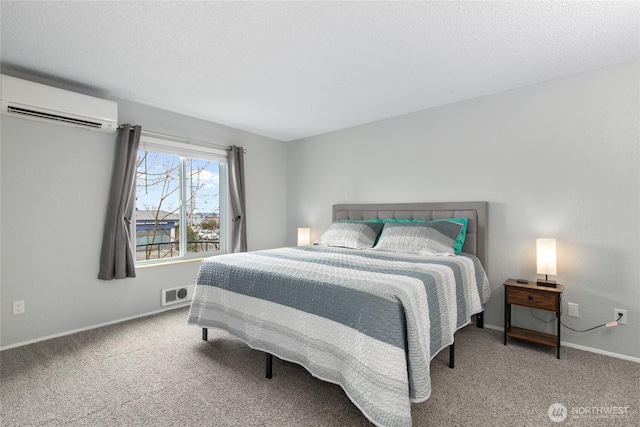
x=547 y=283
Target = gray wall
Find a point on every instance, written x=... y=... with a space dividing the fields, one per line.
x=558 y=159
x=55 y=183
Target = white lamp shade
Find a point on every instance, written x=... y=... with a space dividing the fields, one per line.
x=546 y=250
x=304 y=236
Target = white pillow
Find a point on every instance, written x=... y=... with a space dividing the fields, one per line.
x=356 y=235
x=428 y=238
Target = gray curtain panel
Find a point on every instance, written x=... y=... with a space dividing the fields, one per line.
x=236 y=193
x=117 y=260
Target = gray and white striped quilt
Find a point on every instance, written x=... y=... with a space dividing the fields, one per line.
x=369 y=321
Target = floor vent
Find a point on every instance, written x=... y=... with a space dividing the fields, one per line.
x=177 y=295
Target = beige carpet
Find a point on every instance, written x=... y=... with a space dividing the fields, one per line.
x=157 y=371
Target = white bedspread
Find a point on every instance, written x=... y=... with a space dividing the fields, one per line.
x=366 y=320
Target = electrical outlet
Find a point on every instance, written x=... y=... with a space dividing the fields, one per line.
x=573 y=310
x=18 y=307
x=617 y=312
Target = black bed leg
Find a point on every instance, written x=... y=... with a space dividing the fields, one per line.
x=268 y=373
x=452 y=354
x=205 y=334
x=480 y=320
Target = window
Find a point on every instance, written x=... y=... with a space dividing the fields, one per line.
x=181 y=192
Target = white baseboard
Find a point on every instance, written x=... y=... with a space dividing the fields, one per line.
x=87 y=328
x=604 y=352
x=486 y=325
x=581 y=347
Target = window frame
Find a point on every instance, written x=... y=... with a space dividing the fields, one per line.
x=186 y=150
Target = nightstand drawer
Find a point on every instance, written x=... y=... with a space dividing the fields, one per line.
x=532 y=298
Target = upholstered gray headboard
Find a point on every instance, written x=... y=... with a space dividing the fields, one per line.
x=477 y=232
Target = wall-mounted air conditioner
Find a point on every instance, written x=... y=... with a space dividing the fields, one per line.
x=34 y=101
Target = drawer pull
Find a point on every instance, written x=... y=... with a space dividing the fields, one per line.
x=530 y=298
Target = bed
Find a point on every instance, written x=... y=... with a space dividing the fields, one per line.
x=368 y=320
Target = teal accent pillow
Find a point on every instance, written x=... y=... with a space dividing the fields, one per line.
x=459 y=241
x=433 y=238
x=457 y=244
x=462 y=236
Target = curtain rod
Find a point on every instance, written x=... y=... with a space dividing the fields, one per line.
x=183 y=139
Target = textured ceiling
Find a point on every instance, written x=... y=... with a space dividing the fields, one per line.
x=293 y=69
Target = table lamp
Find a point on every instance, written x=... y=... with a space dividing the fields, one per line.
x=546 y=251
x=304 y=236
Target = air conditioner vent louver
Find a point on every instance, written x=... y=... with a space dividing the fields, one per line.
x=24 y=111
x=35 y=101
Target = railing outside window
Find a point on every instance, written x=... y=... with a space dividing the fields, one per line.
x=150 y=251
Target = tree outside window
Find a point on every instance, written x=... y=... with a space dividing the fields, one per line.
x=173 y=190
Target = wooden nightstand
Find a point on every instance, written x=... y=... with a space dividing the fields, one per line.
x=534 y=296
